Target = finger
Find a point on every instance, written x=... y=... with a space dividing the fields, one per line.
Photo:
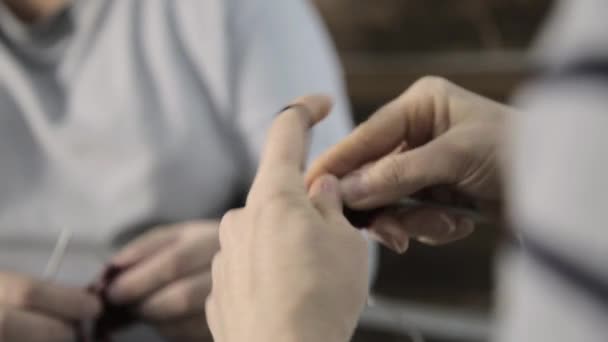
x=191 y=329
x=144 y=246
x=230 y=227
x=159 y=271
x=409 y=118
x=325 y=196
x=374 y=138
x=287 y=146
x=179 y=300
x=19 y=325
x=64 y=302
x=431 y=226
x=400 y=175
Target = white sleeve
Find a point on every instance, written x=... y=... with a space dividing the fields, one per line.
x=285 y=52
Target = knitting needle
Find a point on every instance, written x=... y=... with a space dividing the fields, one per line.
x=364 y=218
x=54 y=263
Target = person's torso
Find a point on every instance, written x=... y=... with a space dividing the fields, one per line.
x=112 y=117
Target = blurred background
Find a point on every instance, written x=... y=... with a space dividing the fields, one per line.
x=438 y=294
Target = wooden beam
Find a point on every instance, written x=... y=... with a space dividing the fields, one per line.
x=376 y=78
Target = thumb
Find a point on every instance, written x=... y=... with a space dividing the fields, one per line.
x=400 y=175
x=325 y=196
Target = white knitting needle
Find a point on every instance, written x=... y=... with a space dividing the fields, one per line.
x=54 y=263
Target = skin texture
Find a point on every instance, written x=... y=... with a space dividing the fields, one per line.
x=291 y=267
x=168 y=277
x=436 y=140
x=35 y=311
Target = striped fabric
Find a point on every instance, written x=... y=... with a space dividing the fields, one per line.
x=555 y=288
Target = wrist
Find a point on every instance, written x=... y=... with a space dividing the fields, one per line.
x=309 y=329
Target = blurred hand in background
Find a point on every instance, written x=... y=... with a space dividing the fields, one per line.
x=36 y=311
x=170 y=278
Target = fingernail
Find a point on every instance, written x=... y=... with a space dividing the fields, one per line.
x=450 y=225
x=398 y=239
x=353 y=187
x=400 y=246
x=439 y=230
x=427 y=240
x=391 y=236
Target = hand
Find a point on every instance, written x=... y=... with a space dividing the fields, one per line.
x=36 y=311
x=436 y=137
x=290 y=268
x=170 y=278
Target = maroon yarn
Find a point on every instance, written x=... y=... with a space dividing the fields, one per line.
x=113 y=317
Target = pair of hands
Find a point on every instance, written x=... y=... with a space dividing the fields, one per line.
x=169 y=280
x=291 y=267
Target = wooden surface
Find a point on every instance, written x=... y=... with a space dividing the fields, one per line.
x=432 y=25
x=373 y=79
x=386 y=45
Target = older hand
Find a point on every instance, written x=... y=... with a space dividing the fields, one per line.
x=36 y=311
x=170 y=278
x=436 y=138
x=291 y=268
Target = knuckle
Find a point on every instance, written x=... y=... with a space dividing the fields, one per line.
x=277 y=200
x=431 y=84
x=227 y=225
x=276 y=207
x=230 y=217
x=281 y=202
